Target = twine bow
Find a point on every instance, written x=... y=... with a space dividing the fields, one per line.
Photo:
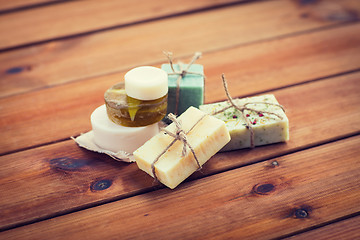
x=242 y=108
x=182 y=73
x=179 y=135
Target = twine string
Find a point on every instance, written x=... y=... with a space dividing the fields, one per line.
x=181 y=73
x=179 y=135
x=242 y=108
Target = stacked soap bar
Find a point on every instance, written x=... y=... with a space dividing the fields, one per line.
x=206 y=137
x=267 y=128
x=114 y=137
x=191 y=87
x=141 y=100
x=132 y=110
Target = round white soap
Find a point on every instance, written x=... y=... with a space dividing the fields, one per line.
x=110 y=136
x=146 y=83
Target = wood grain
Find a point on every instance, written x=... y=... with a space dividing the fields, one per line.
x=33 y=180
x=67 y=60
x=57 y=113
x=6 y=5
x=306 y=189
x=79 y=17
x=58 y=57
x=282 y=62
x=345 y=230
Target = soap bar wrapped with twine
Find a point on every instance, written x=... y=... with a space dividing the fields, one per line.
x=182 y=147
x=178 y=135
x=188 y=88
x=270 y=121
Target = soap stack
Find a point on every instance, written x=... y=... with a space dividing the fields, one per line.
x=129 y=121
x=132 y=110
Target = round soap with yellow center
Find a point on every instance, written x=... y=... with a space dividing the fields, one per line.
x=139 y=101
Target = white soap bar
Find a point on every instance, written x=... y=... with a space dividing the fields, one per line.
x=267 y=128
x=207 y=137
x=113 y=137
x=146 y=83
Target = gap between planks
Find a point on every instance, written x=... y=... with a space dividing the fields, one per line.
x=191 y=178
x=283 y=213
x=189 y=7
x=342 y=228
x=12 y=6
x=238 y=96
x=300 y=139
x=225 y=50
x=47 y=70
x=292 y=85
x=258 y=71
x=114 y=23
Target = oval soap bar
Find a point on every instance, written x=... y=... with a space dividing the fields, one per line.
x=146 y=83
x=115 y=138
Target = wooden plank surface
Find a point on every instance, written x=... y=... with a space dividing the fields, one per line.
x=282 y=62
x=272 y=65
x=61 y=61
x=6 y=5
x=58 y=57
x=244 y=203
x=64 y=173
x=76 y=17
x=345 y=230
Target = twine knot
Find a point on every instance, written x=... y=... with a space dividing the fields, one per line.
x=181 y=73
x=242 y=108
x=178 y=135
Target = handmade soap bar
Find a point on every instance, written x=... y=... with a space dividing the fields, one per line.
x=113 y=137
x=206 y=137
x=191 y=87
x=146 y=83
x=267 y=128
x=131 y=112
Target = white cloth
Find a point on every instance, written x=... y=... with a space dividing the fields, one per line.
x=86 y=140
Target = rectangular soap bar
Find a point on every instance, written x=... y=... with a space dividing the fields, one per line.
x=207 y=137
x=267 y=127
x=191 y=87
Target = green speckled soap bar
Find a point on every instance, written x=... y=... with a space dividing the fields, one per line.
x=267 y=128
x=191 y=88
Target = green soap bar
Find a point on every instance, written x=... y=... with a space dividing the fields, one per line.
x=191 y=88
x=267 y=127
